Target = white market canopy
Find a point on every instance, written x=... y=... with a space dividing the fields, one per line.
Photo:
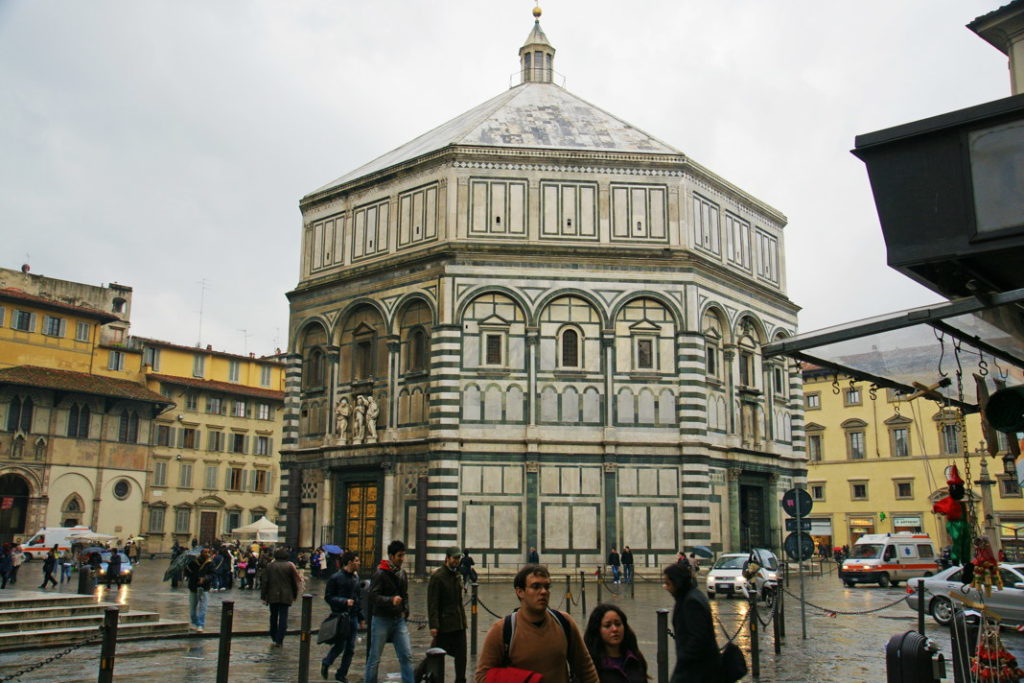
x=263 y=529
x=91 y=537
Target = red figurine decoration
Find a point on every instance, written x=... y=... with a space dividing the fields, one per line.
x=992 y=662
x=986 y=569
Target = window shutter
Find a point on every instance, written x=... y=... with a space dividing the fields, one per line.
x=63 y=327
x=181 y=438
x=245 y=445
x=31 y=322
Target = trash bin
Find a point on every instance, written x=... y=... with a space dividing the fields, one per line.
x=910 y=658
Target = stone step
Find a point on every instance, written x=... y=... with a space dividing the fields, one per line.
x=27 y=599
x=83 y=620
x=42 y=612
x=16 y=640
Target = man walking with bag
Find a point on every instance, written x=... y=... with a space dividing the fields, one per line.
x=540 y=639
x=389 y=606
x=281 y=585
x=445 y=612
x=343 y=596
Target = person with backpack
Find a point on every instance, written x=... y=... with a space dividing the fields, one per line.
x=535 y=637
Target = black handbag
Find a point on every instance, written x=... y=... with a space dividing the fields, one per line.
x=334 y=629
x=734 y=664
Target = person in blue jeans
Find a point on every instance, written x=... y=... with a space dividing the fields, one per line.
x=198 y=571
x=389 y=606
x=343 y=595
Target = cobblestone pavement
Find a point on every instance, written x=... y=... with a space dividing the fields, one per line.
x=840 y=648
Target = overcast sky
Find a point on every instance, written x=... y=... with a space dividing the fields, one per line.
x=164 y=144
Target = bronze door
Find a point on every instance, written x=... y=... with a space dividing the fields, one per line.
x=207 y=527
x=361 y=521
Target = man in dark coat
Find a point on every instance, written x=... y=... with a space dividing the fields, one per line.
x=445 y=612
x=616 y=564
x=281 y=585
x=49 y=565
x=389 y=605
x=697 y=656
x=627 y=565
x=343 y=596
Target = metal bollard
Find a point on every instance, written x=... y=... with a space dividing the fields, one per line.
x=473 y=616
x=920 y=606
x=86 y=583
x=568 y=593
x=780 y=595
x=433 y=666
x=600 y=580
x=227 y=619
x=663 y=645
x=583 y=593
x=755 y=645
x=776 y=636
x=108 y=648
x=304 y=629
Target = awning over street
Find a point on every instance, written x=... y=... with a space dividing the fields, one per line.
x=923 y=347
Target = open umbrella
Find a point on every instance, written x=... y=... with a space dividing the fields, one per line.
x=332 y=549
x=702 y=551
x=178 y=563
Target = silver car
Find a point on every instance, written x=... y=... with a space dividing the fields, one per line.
x=1008 y=603
x=726 y=576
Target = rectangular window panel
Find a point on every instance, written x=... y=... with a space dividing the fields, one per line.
x=265 y=376
x=237 y=443
x=159 y=473
x=182 y=521
x=189 y=438
x=211 y=476
x=262 y=445
x=115 y=360
x=370 y=226
x=738 y=232
x=417 y=216
x=198 y=366
x=494 y=349
x=239 y=409
x=185 y=475
x=53 y=326
x=856 y=441
x=156 y=520
x=497 y=208
x=262 y=411
x=639 y=212
x=901 y=442
x=83 y=332
x=568 y=210
x=151 y=357
x=234 y=370
x=261 y=481
x=767 y=257
x=706 y=230
x=163 y=435
x=234 y=479
x=23 y=321
x=645 y=354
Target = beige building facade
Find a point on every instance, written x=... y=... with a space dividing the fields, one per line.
x=537 y=325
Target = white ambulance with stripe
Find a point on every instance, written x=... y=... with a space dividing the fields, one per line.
x=887 y=559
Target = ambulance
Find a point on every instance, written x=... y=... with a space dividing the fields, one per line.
x=46 y=538
x=887 y=559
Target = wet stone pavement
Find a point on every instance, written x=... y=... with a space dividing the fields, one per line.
x=839 y=648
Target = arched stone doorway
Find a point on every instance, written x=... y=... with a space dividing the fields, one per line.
x=14 y=495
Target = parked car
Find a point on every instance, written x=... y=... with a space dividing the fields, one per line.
x=126 y=568
x=1008 y=603
x=726 y=576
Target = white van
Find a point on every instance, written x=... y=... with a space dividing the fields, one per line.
x=50 y=536
x=889 y=558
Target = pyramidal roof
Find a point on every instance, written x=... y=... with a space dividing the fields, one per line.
x=537 y=114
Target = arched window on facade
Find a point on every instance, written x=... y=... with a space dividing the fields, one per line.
x=128 y=429
x=314 y=339
x=569 y=349
x=78 y=421
x=19 y=414
x=313 y=373
x=417 y=350
x=71 y=511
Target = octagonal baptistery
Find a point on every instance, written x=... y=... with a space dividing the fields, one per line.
x=538 y=326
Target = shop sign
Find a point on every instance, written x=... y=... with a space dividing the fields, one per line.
x=906 y=521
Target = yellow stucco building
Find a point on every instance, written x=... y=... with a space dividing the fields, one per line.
x=127 y=435
x=876 y=464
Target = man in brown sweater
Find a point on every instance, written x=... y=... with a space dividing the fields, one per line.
x=539 y=639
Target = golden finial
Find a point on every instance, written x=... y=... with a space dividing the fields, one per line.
x=536 y=10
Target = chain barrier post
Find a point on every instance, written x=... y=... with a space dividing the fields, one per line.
x=780 y=616
x=307 y=621
x=473 y=616
x=109 y=646
x=755 y=646
x=227 y=619
x=920 y=606
x=600 y=580
x=662 y=645
x=568 y=593
x=86 y=584
x=776 y=635
x=632 y=584
x=433 y=667
x=583 y=594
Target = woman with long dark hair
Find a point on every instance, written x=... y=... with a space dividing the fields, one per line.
x=613 y=647
x=697 y=656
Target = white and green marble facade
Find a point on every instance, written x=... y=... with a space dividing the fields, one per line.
x=444 y=279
